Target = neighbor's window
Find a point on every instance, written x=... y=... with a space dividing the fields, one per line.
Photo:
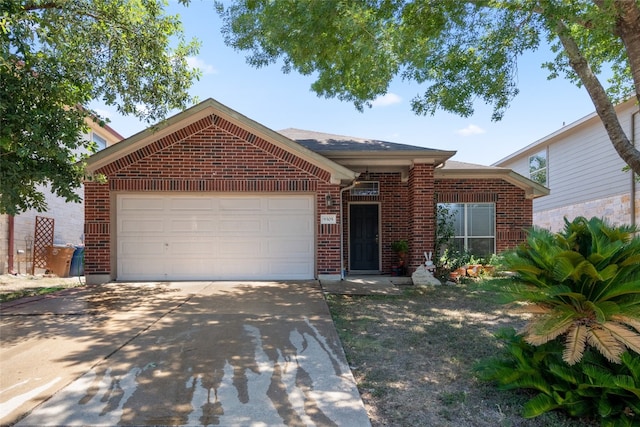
x=366 y=188
x=475 y=227
x=538 y=168
x=101 y=143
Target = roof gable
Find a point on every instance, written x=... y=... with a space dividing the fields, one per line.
x=588 y=120
x=205 y=114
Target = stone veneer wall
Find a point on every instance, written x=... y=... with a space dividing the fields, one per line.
x=616 y=209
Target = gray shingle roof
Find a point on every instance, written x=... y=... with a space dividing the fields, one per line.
x=325 y=142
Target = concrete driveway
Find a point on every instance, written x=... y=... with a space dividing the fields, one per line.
x=203 y=353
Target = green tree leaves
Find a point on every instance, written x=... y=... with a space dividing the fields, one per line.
x=59 y=55
x=459 y=51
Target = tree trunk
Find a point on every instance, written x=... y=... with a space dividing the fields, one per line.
x=629 y=31
x=627 y=27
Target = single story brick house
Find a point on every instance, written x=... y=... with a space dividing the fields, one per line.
x=210 y=194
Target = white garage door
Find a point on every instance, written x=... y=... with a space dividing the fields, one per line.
x=195 y=237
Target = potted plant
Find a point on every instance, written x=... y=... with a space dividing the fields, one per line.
x=400 y=247
x=495 y=263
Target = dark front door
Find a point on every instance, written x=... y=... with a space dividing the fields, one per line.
x=363 y=238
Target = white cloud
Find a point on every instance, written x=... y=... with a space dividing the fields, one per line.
x=470 y=130
x=386 y=100
x=195 y=62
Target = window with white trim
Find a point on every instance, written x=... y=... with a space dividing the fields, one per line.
x=538 y=167
x=101 y=143
x=475 y=227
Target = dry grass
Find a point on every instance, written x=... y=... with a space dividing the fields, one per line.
x=412 y=356
x=13 y=287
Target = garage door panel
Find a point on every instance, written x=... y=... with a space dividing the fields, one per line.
x=291 y=225
x=289 y=204
x=140 y=270
x=299 y=248
x=239 y=248
x=140 y=226
x=213 y=237
x=191 y=267
x=192 y=225
x=240 y=204
x=146 y=204
x=178 y=204
x=240 y=226
x=141 y=248
x=190 y=248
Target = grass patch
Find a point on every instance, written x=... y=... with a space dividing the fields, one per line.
x=412 y=357
x=29 y=292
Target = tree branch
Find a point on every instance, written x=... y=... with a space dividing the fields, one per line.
x=604 y=107
x=627 y=27
x=42 y=6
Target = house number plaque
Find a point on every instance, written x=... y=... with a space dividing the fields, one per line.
x=328 y=219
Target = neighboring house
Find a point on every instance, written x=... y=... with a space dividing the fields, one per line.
x=210 y=194
x=583 y=171
x=17 y=233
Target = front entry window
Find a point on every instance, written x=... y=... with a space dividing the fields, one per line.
x=474 y=225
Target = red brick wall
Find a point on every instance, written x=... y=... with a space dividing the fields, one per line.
x=422 y=213
x=514 y=212
x=97 y=228
x=211 y=155
x=328 y=246
x=398 y=200
x=394 y=215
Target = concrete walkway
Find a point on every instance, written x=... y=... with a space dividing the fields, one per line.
x=367 y=285
x=203 y=353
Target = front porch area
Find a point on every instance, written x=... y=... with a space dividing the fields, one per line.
x=366 y=285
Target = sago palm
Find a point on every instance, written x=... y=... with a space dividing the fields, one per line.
x=582 y=283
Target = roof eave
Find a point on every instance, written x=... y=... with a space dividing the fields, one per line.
x=393 y=158
x=388 y=161
x=532 y=189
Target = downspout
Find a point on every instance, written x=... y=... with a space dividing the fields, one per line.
x=11 y=244
x=342 y=272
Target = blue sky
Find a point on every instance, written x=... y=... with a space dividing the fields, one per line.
x=280 y=101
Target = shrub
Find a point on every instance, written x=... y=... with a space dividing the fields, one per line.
x=582 y=284
x=580 y=349
x=594 y=387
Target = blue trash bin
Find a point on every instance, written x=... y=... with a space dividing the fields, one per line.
x=77 y=262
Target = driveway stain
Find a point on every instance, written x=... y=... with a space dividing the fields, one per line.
x=265 y=355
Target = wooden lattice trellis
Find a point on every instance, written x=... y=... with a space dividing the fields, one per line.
x=43 y=237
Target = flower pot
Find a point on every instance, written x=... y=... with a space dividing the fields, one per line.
x=489 y=270
x=462 y=271
x=474 y=270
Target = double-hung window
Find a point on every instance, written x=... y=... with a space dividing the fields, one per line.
x=100 y=142
x=538 y=168
x=475 y=227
